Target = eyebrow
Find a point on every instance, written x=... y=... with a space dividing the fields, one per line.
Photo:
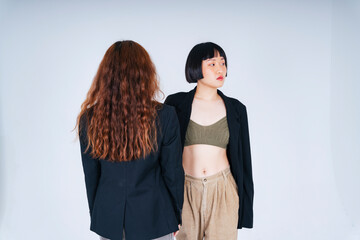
x=213 y=59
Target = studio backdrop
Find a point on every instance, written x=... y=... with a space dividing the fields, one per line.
x=294 y=64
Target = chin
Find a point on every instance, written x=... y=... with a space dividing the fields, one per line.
x=219 y=84
x=213 y=83
x=216 y=85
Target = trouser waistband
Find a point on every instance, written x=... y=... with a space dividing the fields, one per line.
x=210 y=178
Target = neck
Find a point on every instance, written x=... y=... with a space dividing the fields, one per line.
x=205 y=92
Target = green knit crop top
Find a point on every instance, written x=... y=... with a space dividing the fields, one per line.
x=216 y=134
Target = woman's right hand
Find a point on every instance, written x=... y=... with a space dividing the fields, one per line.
x=176 y=233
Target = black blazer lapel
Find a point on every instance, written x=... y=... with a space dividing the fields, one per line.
x=233 y=120
x=184 y=112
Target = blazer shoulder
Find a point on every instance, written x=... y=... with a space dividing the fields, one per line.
x=175 y=99
x=84 y=120
x=239 y=106
x=167 y=117
x=83 y=127
x=166 y=111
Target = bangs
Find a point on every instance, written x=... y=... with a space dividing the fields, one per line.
x=211 y=52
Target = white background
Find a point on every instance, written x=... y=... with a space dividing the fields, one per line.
x=294 y=64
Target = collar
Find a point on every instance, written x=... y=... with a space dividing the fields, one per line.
x=186 y=104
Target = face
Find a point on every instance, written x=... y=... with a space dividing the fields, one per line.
x=214 y=71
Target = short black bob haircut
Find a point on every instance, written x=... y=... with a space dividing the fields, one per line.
x=200 y=52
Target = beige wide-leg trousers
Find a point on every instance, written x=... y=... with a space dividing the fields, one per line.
x=210 y=209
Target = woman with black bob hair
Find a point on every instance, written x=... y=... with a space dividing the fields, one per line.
x=219 y=189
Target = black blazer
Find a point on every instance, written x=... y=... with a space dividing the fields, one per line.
x=144 y=196
x=238 y=149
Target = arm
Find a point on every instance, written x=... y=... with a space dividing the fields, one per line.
x=248 y=193
x=171 y=162
x=90 y=165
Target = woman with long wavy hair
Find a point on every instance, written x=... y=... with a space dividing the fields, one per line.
x=131 y=150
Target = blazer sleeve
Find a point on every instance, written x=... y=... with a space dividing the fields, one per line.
x=248 y=193
x=171 y=162
x=90 y=165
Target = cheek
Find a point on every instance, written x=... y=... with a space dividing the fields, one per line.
x=204 y=71
x=208 y=72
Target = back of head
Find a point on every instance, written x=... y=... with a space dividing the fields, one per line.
x=120 y=106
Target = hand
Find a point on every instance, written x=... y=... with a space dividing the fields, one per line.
x=176 y=233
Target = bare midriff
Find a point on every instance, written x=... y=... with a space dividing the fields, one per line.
x=202 y=160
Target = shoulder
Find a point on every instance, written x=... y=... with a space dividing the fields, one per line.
x=166 y=112
x=236 y=104
x=83 y=125
x=85 y=118
x=164 y=109
x=167 y=117
x=175 y=99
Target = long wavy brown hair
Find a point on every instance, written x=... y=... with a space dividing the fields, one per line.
x=120 y=107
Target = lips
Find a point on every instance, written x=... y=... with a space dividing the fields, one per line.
x=220 y=78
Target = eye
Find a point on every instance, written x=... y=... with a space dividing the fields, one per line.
x=212 y=64
x=223 y=64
